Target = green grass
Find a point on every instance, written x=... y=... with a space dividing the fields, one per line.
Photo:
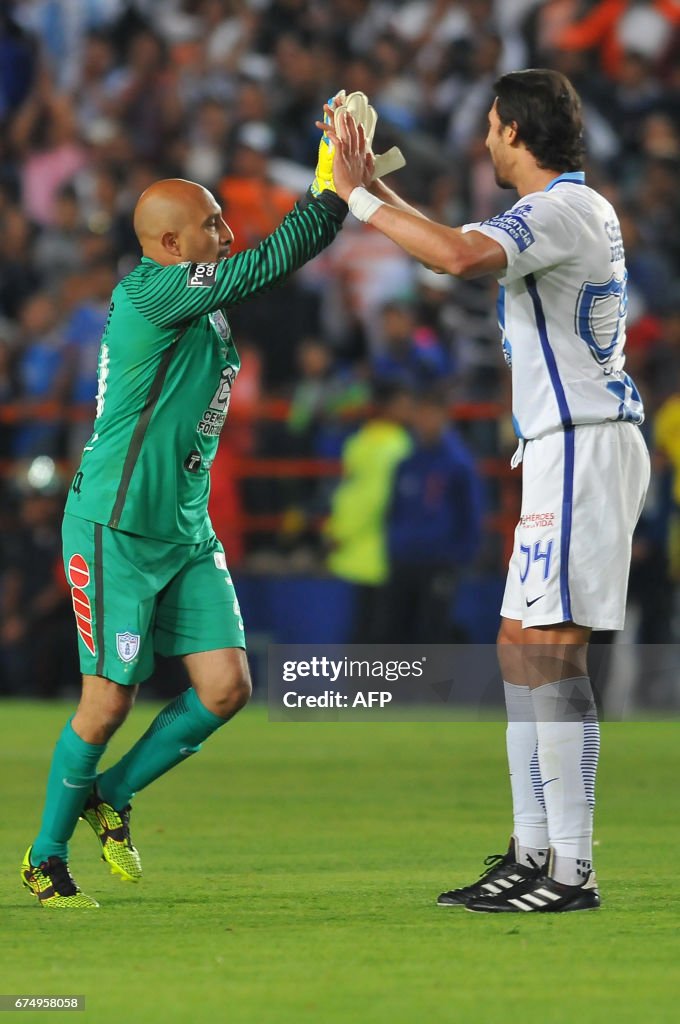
x=290 y=876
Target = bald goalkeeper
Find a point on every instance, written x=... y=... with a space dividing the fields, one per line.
x=146 y=571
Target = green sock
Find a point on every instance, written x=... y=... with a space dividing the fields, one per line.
x=174 y=734
x=72 y=773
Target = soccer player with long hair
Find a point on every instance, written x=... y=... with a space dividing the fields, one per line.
x=558 y=256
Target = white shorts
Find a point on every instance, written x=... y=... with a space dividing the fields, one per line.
x=582 y=493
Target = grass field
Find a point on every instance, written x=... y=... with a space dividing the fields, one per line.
x=290 y=876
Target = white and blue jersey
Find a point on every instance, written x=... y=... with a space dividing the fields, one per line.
x=562 y=309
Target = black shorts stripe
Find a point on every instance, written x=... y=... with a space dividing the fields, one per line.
x=138 y=434
x=99 y=593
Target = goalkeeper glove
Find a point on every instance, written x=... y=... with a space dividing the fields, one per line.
x=364 y=114
x=323 y=176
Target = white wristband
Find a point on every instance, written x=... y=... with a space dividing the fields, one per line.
x=362 y=204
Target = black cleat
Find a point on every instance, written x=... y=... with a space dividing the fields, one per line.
x=502 y=874
x=542 y=895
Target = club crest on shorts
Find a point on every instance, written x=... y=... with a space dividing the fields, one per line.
x=127 y=645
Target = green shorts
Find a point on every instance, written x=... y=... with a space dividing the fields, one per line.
x=135 y=596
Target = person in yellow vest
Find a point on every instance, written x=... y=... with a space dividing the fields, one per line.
x=356 y=529
x=667 y=454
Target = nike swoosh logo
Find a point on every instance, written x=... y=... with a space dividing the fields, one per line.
x=186 y=751
x=71 y=785
x=544 y=784
x=529 y=603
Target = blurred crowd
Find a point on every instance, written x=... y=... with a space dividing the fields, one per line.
x=98 y=98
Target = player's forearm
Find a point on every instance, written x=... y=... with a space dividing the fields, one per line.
x=302 y=235
x=382 y=191
x=434 y=244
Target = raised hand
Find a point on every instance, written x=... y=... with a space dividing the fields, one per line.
x=364 y=114
x=352 y=164
x=323 y=176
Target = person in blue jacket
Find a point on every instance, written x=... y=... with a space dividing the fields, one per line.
x=434 y=526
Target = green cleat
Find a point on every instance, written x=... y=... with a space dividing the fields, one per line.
x=52 y=884
x=112 y=829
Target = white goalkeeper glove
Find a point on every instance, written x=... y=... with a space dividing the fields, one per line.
x=357 y=105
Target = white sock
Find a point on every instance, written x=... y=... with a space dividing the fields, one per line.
x=570 y=870
x=530 y=827
x=568 y=748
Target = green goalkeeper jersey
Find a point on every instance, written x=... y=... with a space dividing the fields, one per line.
x=167 y=363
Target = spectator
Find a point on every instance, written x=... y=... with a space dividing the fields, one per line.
x=412 y=354
x=434 y=526
x=94 y=89
x=62 y=27
x=41 y=377
x=252 y=203
x=667 y=443
x=57 y=251
x=146 y=103
x=357 y=275
x=327 y=400
x=620 y=27
x=206 y=145
x=8 y=385
x=45 y=134
x=323 y=396
x=357 y=528
x=18 y=277
x=38 y=654
x=296 y=88
x=17 y=64
x=82 y=336
x=476 y=97
x=649 y=273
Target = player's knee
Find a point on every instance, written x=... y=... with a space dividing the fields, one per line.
x=118 y=712
x=228 y=692
x=221 y=680
x=116 y=707
x=238 y=690
x=510 y=651
x=104 y=706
